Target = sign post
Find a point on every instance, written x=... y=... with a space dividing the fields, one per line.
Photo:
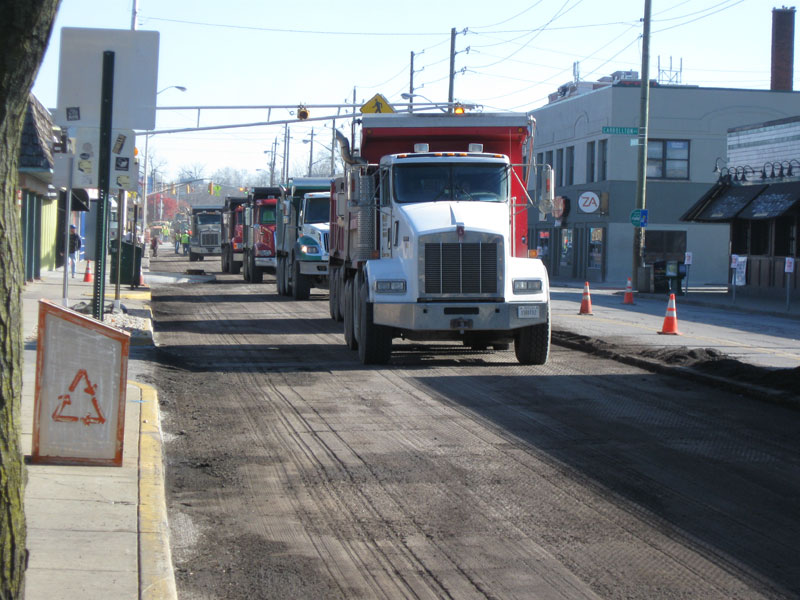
x=687 y=260
x=788 y=268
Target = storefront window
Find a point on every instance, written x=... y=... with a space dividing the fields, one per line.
x=566 y=255
x=596 y=248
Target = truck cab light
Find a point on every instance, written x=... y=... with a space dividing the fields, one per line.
x=421 y=147
x=527 y=286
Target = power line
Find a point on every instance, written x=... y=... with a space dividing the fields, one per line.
x=519 y=14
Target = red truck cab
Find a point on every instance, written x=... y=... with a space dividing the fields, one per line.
x=258 y=232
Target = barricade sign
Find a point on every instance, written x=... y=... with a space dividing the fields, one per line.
x=81 y=379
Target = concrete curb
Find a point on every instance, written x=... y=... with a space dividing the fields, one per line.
x=156 y=575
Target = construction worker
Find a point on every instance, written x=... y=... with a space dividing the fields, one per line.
x=185 y=242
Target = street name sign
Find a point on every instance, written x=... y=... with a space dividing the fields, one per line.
x=621 y=130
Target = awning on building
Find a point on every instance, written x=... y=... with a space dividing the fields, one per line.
x=777 y=200
x=723 y=202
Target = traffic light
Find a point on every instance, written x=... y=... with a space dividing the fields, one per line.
x=302 y=112
x=210 y=188
x=458 y=109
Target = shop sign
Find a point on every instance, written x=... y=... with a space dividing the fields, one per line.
x=588 y=202
x=560 y=207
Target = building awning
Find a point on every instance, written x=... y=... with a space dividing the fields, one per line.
x=724 y=202
x=777 y=200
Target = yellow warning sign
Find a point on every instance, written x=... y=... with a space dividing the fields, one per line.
x=377 y=104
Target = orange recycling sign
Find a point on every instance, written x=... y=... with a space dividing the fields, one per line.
x=89 y=392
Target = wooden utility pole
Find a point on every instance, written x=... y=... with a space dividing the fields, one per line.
x=452 y=68
x=411 y=86
x=641 y=174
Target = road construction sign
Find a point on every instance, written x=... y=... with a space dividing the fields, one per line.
x=377 y=104
x=81 y=379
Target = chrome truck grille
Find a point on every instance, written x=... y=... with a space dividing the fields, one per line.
x=462 y=268
x=209 y=238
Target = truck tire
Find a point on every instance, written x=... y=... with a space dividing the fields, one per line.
x=349 y=334
x=301 y=285
x=245 y=261
x=256 y=274
x=532 y=343
x=375 y=341
x=279 y=281
x=287 y=282
x=224 y=262
x=235 y=267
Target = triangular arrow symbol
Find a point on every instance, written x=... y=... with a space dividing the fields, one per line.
x=66 y=400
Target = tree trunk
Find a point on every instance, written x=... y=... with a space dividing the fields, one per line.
x=22 y=44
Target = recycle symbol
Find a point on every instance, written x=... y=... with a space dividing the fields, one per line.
x=66 y=400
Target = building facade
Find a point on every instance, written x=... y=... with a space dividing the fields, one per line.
x=589 y=135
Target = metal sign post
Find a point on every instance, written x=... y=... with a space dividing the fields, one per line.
x=788 y=269
x=67 y=213
x=106 y=108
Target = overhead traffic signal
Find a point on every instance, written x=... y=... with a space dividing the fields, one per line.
x=302 y=112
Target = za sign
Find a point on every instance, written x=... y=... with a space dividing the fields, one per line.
x=81 y=378
x=588 y=202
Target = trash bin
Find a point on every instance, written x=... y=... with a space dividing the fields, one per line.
x=129 y=274
x=644 y=279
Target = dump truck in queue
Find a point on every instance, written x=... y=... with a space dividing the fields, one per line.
x=428 y=236
x=302 y=237
x=231 y=245
x=258 y=232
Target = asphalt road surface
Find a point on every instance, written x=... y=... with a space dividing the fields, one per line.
x=295 y=472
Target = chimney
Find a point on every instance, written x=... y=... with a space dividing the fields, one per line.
x=782 y=48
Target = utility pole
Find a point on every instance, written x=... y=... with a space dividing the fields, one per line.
x=411 y=85
x=333 y=147
x=641 y=174
x=452 y=68
x=272 y=161
x=311 y=153
x=285 y=170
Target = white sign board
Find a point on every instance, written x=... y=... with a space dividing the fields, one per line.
x=687 y=258
x=788 y=266
x=81 y=379
x=741 y=270
x=589 y=202
x=80 y=75
x=122 y=171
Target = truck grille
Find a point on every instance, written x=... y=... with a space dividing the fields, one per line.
x=209 y=238
x=460 y=268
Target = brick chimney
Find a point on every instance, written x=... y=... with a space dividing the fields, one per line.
x=782 y=48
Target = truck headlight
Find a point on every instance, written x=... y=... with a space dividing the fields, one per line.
x=527 y=286
x=390 y=286
x=309 y=249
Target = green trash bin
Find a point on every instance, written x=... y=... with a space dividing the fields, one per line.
x=130 y=274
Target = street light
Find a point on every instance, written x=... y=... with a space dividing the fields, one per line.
x=407 y=96
x=169 y=87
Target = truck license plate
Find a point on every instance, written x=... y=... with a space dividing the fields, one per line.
x=528 y=312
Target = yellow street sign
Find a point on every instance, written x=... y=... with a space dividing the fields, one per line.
x=377 y=104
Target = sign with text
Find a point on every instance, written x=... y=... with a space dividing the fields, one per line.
x=639 y=217
x=788 y=266
x=740 y=277
x=687 y=258
x=621 y=130
x=81 y=379
x=588 y=202
x=80 y=73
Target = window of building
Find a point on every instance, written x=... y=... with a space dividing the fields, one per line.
x=664 y=245
x=759 y=238
x=589 y=162
x=668 y=159
x=602 y=160
x=596 y=235
x=785 y=236
x=560 y=167
x=569 y=174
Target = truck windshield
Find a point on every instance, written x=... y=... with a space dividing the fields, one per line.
x=267 y=215
x=208 y=218
x=436 y=182
x=318 y=210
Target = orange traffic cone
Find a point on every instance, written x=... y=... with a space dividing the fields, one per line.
x=87 y=276
x=628 y=299
x=586 y=302
x=670 y=326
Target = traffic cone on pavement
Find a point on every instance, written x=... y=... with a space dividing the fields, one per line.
x=87 y=276
x=586 y=302
x=670 y=326
x=628 y=298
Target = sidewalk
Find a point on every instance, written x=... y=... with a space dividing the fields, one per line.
x=97 y=532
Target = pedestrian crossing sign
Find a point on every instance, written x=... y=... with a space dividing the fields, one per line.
x=377 y=104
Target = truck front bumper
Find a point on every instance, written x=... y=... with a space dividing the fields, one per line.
x=266 y=261
x=461 y=316
x=206 y=250
x=314 y=268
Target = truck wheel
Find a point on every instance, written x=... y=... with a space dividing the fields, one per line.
x=374 y=341
x=287 y=282
x=192 y=257
x=349 y=334
x=256 y=274
x=224 y=264
x=235 y=267
x=532 y=343
x=245 y=263
x=201 y=257
x=301 y=286
x=279 y=282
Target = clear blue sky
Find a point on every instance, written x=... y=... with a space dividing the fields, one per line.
x=511 y=55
